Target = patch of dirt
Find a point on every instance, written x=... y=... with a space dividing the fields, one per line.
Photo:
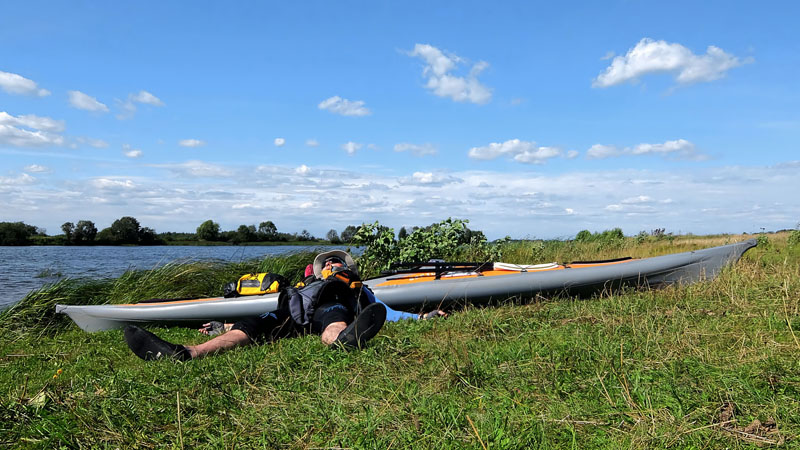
x=757 y=432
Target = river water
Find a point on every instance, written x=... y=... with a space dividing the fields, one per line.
x=23 y=269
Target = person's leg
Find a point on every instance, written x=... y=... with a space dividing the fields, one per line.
x=337 y=326
x=332 y=332
x=329 y=320
x=148 y=346
x=270 y=326
x=227 y=341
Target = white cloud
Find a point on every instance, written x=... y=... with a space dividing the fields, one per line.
x=20 y=180
x=423 y=177
x=85 y=102
x=33 y=122
x=30 y=130
x=649 y=56
x=599 y=151
x=344 y=107
x=637 y=200
x=131 y=152
x=521 y=151
x=418 y=150
x=302 y=170
x=146 y=98
x=572 y=154
x=191 y=143
x=36 y=168
x=17 y=84
x=351 y=147
x=443 y=84
x=111 y=183
x=676 y=149
x=312 y=143
x=279 y=142
x=128 y=107
x=530 y=203
x=680 y=147
x=537 y=155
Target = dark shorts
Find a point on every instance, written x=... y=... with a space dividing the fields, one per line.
x=278 y=324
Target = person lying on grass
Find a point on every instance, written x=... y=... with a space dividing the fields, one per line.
x=345 y=315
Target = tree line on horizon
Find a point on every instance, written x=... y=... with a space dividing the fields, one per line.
x=128 y=231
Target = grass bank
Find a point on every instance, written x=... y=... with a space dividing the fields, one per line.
x=681 y=367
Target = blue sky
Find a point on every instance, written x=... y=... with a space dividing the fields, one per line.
x=529 y=119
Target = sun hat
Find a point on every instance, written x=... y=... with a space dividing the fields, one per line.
x=319 y=261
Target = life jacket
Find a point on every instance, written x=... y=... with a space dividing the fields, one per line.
x=342 y=287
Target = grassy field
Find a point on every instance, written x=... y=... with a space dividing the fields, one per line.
x=682 y=367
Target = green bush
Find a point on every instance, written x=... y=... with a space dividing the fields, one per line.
x=794 y=238
x=612 y=236
x=449 y=240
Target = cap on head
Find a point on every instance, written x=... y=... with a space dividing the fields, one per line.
x=335 y=256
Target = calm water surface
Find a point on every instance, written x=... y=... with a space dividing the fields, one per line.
x=23 y=269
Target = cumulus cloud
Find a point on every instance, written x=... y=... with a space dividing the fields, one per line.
x=351 y=147
x=112 y=183
x=279 y=142
x=128 y=107
x=191 y=143
x=521 y=151
x=17 y=84
x=32 y=121
x=639 y=199
x=312 y=143
x=85 y=102
x=344 y=107
x=20 y=180
x=650 y=56
x=146 y=98
x=30 y=130
x=599 y=151
x=429 y=179
x=415 y=149
x=36 y=168
x=677 y=149
x=131 y=152
x=440 y=80
x=302 y=170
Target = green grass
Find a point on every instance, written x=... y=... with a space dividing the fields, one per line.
x=641 y=369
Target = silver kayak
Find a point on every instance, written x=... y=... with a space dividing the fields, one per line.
x=423 y=290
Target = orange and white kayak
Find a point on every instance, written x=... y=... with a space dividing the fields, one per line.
x=422 y=286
